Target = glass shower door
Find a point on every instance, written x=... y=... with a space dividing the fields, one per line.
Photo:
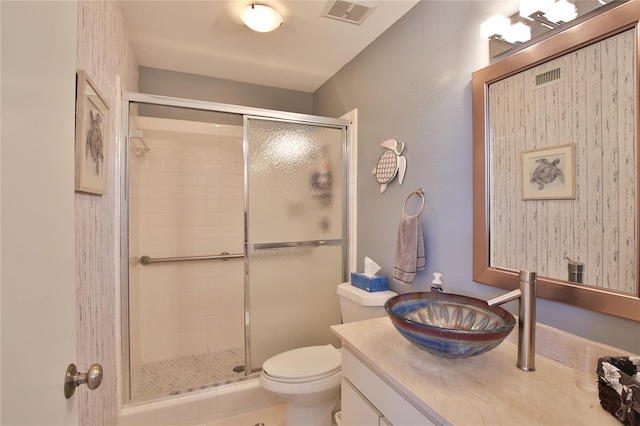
x=185 y=210
x=295 y=234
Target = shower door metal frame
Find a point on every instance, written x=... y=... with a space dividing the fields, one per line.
x=129 y=98
x=344 y=241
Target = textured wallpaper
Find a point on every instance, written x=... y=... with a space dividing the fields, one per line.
x=591 y=107
x=105 y=52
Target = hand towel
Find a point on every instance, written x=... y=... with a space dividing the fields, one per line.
x=410 y=254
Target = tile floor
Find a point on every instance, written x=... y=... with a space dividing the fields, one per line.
x=269 y=417
x=171 y=377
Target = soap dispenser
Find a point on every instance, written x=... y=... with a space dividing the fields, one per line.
x=436 y=284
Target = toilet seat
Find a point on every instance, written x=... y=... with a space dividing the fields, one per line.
x=303 y=364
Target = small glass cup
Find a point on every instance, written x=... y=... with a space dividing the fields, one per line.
x=585 y=363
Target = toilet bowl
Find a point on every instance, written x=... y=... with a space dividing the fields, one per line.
x=308 y=378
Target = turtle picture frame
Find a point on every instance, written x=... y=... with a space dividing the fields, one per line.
x=549 y=173
x=91 y=137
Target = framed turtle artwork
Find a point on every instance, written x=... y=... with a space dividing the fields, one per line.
x=91 y=140
x=549 y=173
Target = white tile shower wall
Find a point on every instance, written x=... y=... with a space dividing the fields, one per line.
x=189 y=202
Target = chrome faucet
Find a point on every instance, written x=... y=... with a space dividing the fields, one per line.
x=526 y=318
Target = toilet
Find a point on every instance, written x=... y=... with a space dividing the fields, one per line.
x=308 y=378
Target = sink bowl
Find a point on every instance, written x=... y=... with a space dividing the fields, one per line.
x=449 y=325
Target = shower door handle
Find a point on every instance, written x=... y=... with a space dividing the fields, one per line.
x=73 y=379
x=295 y=244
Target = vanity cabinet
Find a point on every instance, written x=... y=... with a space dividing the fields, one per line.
x=357 y=409
x=367 y=400
x=406 y=386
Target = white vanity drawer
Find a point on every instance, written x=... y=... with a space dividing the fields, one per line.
x=395 y=409
x=356 y=409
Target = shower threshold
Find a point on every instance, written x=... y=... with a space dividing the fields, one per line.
x=175 y=376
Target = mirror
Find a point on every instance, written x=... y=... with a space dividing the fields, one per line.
x=546 y=197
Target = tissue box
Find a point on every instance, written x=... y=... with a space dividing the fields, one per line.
x=370 y=284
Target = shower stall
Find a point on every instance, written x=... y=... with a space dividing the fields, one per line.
x=234 y=238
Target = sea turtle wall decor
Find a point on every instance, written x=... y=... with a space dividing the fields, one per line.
x=546 y=172
x=94 y=140
x=549 y=173
x=390 y=164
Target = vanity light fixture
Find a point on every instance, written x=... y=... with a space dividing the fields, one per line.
x=261 y=18
x=549 y=13
x=497 y=24
x=536 y=10
x=562 y=11
x=499 y=28
x=518 y=33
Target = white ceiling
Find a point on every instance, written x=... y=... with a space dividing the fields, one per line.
x=208 y=38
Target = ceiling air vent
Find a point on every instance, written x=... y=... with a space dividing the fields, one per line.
x=354 y=12
x=550 y=77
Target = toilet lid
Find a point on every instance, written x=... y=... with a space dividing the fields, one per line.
x=304 y=363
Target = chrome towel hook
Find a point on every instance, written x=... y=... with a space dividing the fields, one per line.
x=420 y=193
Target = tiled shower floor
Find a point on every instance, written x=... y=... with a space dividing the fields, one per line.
x=171 y=377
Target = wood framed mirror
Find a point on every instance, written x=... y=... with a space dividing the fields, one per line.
x=555 y=158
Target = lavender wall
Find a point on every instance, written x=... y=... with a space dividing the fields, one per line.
x=413 y=83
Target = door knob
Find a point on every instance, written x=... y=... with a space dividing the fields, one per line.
x=73 y=379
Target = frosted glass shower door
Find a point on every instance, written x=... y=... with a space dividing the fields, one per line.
x=295 y=234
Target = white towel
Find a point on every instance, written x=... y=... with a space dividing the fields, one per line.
x=410 y=254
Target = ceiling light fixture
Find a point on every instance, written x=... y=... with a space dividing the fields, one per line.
x=261 y=18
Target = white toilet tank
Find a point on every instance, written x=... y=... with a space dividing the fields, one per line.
x=357 y=304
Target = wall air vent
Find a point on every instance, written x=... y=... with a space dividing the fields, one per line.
x=354 y=12
x=548 y=78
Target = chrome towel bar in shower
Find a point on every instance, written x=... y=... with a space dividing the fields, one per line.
x=146 y=260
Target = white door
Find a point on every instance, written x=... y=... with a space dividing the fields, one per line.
x=38 y=313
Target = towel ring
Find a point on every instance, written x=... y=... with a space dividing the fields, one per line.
x=419 y=192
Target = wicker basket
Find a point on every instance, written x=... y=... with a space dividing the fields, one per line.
x=619 y=389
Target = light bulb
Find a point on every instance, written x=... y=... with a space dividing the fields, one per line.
x=518 y=32
x=562 y=11
x=497 y=24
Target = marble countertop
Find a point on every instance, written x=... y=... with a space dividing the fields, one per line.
x=487 y=389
